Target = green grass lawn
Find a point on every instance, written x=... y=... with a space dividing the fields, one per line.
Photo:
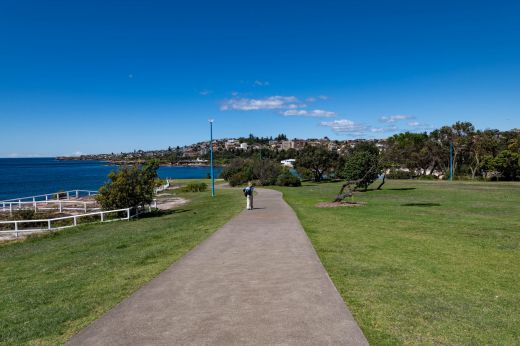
x=183 y=182
x=53 y=286
x=423 y=262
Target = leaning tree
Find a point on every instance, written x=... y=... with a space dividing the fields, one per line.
x=363 y=165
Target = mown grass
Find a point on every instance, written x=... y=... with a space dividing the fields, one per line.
x=53 y=286
x=422 y=262
x=183 y=182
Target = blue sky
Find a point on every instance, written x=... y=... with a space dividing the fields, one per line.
x=111 y=76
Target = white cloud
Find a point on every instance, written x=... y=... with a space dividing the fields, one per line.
x=345 y=126
x=349 y=127
x=271 y=102
x=394 y=118
x=260 y=83
x=309 y=113
x=316 y=98
x=417 y=126
x=384 y=129
x=205 y=92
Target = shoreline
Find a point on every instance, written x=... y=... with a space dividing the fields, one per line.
x=118 y=162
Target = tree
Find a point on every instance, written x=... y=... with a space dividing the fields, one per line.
x=129 y=187
x=362 y=167
x=266 y=171
x=362 y=164
x=409 y=150
x=507 y=163
x=240 y=171
x=317 y=159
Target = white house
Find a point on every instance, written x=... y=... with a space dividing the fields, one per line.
x=288 y=162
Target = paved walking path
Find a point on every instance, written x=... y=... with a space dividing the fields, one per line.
x=256 y=281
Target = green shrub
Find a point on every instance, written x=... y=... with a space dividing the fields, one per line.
x=263 y=171
x=427 y=177
x=287 y=179
x=196 y=187
x=129 y=187
x=398 y=174
x=237 y=179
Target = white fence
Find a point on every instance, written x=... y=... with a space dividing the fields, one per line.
x=54 y=196
x=17 y=229
x=163 y=187
x=58 y=205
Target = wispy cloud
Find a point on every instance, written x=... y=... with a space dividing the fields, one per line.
x=260 y=83
x=271 y=102
x=309 y=113
x=352 y=128
x=316 y=98
x=392 y=128
x=394 y=118
x=418 y=126
x=205 y=92
x=346 y=126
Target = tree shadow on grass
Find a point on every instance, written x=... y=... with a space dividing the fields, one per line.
x=421 y=205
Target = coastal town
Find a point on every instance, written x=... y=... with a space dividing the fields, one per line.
x=197 y=153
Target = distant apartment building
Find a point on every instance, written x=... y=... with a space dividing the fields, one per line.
x=287 y=145
x=231 y=144
x=243 y=146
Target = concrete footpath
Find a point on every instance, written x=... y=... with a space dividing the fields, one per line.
x=256 y=281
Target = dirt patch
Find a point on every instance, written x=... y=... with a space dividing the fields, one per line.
x=339 y=204
x=170 y=202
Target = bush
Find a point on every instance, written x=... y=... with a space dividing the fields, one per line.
x=129 y=187
x=241 y=171
x=24 y=214
x=287 y=179
x=237 y=179
x=398 y=174
x=196 y=187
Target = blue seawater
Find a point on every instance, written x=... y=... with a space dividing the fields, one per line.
x=23 y=177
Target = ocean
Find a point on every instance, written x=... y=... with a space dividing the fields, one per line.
x=23 y=177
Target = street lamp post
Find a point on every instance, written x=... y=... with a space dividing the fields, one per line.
x=211 y=157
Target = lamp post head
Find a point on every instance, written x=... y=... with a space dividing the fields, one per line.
x=211 y=120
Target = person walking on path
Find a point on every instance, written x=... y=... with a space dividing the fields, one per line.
x=248 y=192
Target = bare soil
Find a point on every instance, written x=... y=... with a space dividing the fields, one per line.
x=339 y=204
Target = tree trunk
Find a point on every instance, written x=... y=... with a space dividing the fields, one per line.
x=382 y=183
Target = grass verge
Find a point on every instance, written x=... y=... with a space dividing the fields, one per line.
x=422 y=262
x=53 y=286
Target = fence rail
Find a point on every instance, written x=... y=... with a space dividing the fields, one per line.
x=54 y=196
x=163 y=187
x=60 y=205
x=49 y=222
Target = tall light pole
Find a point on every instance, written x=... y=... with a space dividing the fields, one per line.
x=211 y=156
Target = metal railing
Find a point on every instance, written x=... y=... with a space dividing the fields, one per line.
x=17 y=229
